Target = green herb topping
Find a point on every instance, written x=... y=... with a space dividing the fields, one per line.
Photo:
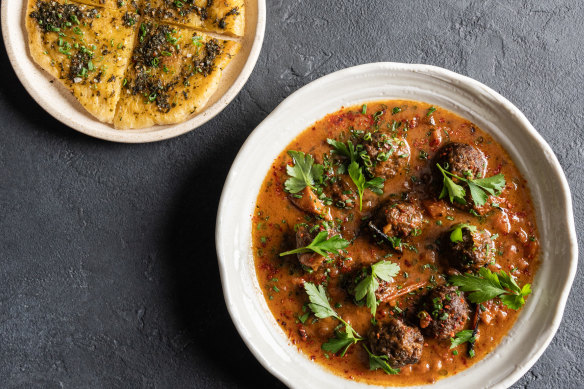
x=384 y=270
x=304 y=173
x=456 y=234
x=488 y=285
x=320 y=306
x=380 y=362
x=321 y=245
x=480 y=188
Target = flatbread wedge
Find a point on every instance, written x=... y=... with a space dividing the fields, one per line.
x=220 y=16
x=172 y=74
x=87 y=48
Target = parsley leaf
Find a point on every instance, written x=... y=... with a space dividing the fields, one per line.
x=478 y=195
x=380 y=362
x=456 y=234
x=462 y=337
x=319 y=304
x=488 y=285
x=356 y=174
x=494 y=185
x=342 y=341
x=384 y=270
x=321 y=245
x=348 y=150
x=454 y=191
x=375 y=184
x=367 y=287
x=304 y=172
x=480 y=188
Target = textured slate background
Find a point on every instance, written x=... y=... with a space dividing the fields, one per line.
x=108 y=274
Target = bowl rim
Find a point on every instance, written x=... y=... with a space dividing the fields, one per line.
x=255 y=136
x=143 y=135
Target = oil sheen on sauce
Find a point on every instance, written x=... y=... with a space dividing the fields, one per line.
x=510 y=216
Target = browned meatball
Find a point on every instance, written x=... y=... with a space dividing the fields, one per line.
x=388 y=156
x=400 y=219
x=477 y=249
x=443 y=312
x=402 y=344
x=462 y=160
x=342 y=193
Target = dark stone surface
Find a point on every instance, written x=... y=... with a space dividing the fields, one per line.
x=108 y=273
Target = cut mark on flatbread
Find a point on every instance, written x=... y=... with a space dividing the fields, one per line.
x=98 y=54
x=86 y=48
x=172 y=74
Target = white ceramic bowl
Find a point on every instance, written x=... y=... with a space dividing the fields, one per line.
x=59 y=102
x=542 y=314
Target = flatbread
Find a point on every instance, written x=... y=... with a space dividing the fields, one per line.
x=172 y=74
x=87 y=48
x=220 y=16
x=114 y=4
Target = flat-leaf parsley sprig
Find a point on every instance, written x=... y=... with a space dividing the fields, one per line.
x=348 y=150
x=380 y=362
x=375 y=184
x=384 y=270
x=304 y=173
x=488 y=285
x=321 y=245
x=355 y=169
x=480 y=188
x=320 y=306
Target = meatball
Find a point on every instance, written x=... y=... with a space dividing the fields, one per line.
x=462 y=160
x=400 y=219
x=402 y=344
x=342 y=193
x=388 y=156
x=477 y=249
x=305 y=234
x=443 y=312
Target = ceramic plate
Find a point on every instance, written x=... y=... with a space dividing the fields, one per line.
x=542 y=314
x=57 y=100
